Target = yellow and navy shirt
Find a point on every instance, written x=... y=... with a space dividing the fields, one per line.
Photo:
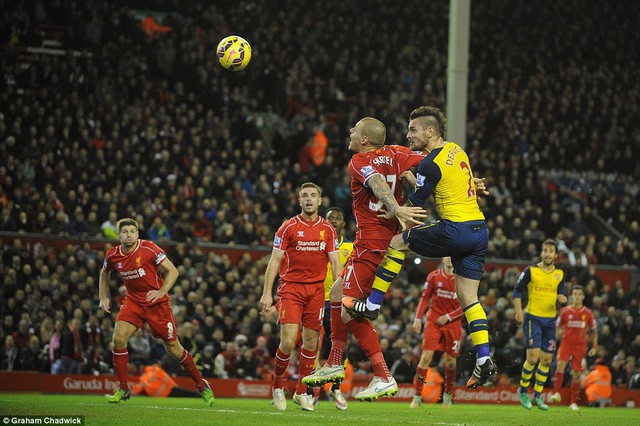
x=345 y=247
x=447 y=173
x=539 y=290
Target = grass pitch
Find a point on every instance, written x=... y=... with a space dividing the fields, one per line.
x=143 y=411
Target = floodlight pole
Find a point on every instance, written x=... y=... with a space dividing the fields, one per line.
x=458 y=71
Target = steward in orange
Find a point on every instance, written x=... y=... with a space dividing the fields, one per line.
x=154 y=381
x=597 y=384
x=432 y=390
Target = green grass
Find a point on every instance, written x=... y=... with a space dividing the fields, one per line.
x=143 y=411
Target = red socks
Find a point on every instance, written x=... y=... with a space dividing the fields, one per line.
x=307 y=361
x=281 y=362
x=418 y=380
x=558 y=378
x=367 y=338
x=190 y=367
x=338 y=334
x=121 y=365
x=449 y=379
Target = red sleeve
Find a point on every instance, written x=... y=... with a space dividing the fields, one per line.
x=426 y=296
x=361 y=169
x=333 y=243
x=592 y=321
x=106 y=264
x=560 y=319
x=281 y=240
x=453 y=315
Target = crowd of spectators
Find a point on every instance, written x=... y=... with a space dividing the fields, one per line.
x=124 y=123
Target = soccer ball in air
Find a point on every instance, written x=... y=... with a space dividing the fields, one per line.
x=234 y=53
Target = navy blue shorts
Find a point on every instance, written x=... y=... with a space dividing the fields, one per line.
x=539 y=332
x=465 y=242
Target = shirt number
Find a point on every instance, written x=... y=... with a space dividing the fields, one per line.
x=471 y=192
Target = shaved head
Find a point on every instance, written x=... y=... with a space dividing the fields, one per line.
x=374 y=129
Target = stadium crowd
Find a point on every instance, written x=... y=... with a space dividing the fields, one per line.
x=128 y=123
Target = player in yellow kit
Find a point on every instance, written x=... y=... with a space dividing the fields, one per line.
x=541 y=287
x=335 y=216
x=461 y=232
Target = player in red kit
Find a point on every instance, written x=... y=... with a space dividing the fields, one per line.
x=442 y=331
x=575 y=322
x=301 y=248
x=148 y=275
x=376 y=173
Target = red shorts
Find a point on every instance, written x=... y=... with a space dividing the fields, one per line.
x=158 y=316
x=576 y=353
x=444 y=338
x=301 y=304
x=359 y=273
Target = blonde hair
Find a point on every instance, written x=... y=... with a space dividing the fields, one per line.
x=311 y=185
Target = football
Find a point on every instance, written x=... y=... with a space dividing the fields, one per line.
x=234 y=53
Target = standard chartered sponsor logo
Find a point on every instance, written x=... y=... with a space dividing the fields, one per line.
x=132 y=275
x=446 y=294
x=311 y=245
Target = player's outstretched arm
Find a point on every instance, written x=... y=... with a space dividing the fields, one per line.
x=103 y=290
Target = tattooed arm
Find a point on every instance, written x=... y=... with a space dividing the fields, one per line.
x=382 y=191
x=406 y=214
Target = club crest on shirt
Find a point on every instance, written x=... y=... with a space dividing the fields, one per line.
x=322 y=234
x=138 y=262
x=300 y=233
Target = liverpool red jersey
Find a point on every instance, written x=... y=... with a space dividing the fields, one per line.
x=576 y=324
x=390 y=161
x=440 y=288
x=306 y=246
x=139 y=270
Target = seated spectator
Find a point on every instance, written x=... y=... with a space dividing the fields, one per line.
x=225 y=362
x=140 y=348
x=9 y=355
x=158 y=231
x=109 y=226
x=33 y=357
x=206 y=361
x=22 y=335
x=247 y=367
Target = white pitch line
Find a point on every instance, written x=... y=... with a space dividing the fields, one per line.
x=346 y=418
